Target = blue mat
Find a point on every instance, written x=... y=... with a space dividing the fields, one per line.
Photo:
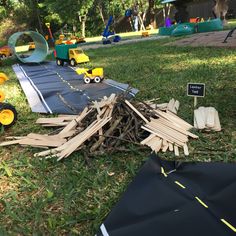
x=60 y=90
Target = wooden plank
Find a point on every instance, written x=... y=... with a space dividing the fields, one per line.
x=153 y=142
x=171 y=147
x=161 y=106
x=55 y=124
x=136 y=111
x=46 y=143
x=174 y=126
x=203 y=112
x=7 y=143
x=200 y=120
x=45 y=137
x=217 y=126
x=82 y=137
x=165 y=146
x=51 y=120
x=14 y=137
x=186 y=152
x=163 y=135
x=48 y=152
x=146 y=140
x=107 y=133
x=176 y=150
x=97 y=107
x=68 y=134
x=67 y=117
x=195 y=122
x=172 y=132
x=157 y=146
x=173 y=118
x=176 y=106
x=75 y=122
x=171 y=105
x=112 y=98
x=210 y=122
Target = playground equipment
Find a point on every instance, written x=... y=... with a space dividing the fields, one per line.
x=41 y=47
x=48 y=25
x=190 y=28
x=69 y=53
x=95 y=75
x=229 y=34
x=8 y=114
x=184 y=29
x=109 y=36
x=5 y=51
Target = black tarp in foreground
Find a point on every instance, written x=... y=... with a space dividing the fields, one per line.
x=55 y=89
x=168 y=198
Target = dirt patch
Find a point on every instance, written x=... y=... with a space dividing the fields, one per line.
x=209 y=39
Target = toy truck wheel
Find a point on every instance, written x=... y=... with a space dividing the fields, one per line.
x=59 y=62
x=97 y=79
x=72 y=62
x=87 y=80
x=8 y=115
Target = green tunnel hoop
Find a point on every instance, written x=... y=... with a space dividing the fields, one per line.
x=41 y=47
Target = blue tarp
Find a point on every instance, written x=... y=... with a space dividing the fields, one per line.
x=55 y=89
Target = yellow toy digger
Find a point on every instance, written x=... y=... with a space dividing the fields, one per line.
x=8 y=114
x=95 y=75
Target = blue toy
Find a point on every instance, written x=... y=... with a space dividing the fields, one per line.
x=109 y=36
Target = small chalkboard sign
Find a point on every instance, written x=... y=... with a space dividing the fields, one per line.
x=196 y=90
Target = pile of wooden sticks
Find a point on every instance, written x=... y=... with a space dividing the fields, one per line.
x=109 y=125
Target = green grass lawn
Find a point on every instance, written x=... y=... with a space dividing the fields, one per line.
x=72 y=197
x=231 y=24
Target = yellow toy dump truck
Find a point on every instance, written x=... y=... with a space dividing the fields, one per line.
x=94 y=75
x=69 y=53
x=8 y=114
x=5 y=51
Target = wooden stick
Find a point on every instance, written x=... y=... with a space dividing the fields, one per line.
x=75 y=122
x=173 y=126
x=107 y=133
x=176 y=149
x=82 y=137
x=136 y=111
x=151 y=136
x=169 y=131
x=186 y=152
x=10 y=142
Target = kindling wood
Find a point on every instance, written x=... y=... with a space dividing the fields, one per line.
x=109 y=125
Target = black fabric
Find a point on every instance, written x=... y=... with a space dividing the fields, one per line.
x=63 y=90
x=155 y=205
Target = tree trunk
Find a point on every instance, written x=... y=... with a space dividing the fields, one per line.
x=83 y=21
x=101 y=14
x=150 y=17
x=38 y=18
